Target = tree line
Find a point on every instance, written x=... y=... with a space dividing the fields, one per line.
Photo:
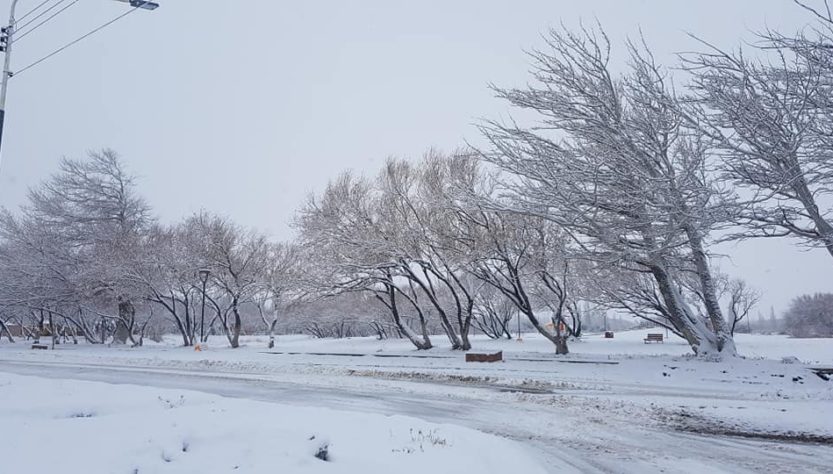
x=610 y=195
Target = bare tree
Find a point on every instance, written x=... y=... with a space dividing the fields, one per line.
x=615 y=165
x=493 y=313
x=521 y=256
x=423 y=239
x=511 y=253
x=742 y=299
x=73 y=245
x=93 y=208
x=5 y=329
x=168 y=276
x=238 y=261
x=356 y=251
x=772 y=118
x=281 y=285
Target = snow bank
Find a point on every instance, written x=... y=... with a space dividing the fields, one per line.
x=88 y=427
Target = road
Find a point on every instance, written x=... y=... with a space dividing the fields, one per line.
x=569 y=433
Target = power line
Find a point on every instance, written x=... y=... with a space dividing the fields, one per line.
x=22 y=35
x=44 y=2
x=97 y=29
x=37 y=16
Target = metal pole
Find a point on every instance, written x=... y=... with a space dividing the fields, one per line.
x=7 y=73
x=202 y=316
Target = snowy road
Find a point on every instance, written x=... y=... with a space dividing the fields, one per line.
x=572 y=433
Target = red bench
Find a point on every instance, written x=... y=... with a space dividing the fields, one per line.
x=474 y=357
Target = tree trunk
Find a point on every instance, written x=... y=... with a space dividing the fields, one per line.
x=465 y=344
x=235 y=330
x=422 y=344
x=465 y=323
x=40 y=332
x=102 y=324
x=724 y=340
x=52 y=332
x=186 y=340
x=561 y=345
x=692 y=328
x=557 y=339
x=71 y=330
x=124 y=324
x=428 y=290
x=4 y=328
x=272 y=333
x=808 y=200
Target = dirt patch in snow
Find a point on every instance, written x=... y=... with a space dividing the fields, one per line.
x=530 y=386
x=686 y=421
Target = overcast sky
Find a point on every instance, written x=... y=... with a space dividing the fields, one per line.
x=245 y=107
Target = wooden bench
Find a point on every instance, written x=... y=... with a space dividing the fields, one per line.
x=475 y=357
x=653 y=338
x=40 y=346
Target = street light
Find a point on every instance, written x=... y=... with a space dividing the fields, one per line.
x=141 y=4
x=7 y=39
x=204 y=273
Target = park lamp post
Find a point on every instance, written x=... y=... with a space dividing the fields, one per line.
x=204 y=273
x=7 y=40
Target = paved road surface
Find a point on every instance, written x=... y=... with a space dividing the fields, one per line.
x=565 y=436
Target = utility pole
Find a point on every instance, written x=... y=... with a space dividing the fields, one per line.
x=6 y=34
x=6 y=41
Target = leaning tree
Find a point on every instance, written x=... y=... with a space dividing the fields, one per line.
x=770 y=115
x=81 y=230
x=614 y=163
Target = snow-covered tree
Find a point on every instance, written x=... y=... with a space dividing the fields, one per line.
x=238 y=261
x=170 y=279
x=282 y=284
x=356 y=250
x=810 y=316
x=614 y=163
x=770 y=113
x=516 y=253
x=493 y=313
x=74 y=243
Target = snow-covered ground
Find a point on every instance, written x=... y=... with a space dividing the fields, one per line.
x=611 y=406
x=627 y=343
x=88 y=427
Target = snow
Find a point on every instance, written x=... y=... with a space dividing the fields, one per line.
x=626 y=343
x=73 y=426
x=611 y=405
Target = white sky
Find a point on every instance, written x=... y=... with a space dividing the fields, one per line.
x=243 y=108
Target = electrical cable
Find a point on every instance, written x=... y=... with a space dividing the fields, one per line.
x=95 y=30
x=44 y=2
x=22 y=35
x=18 y=28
